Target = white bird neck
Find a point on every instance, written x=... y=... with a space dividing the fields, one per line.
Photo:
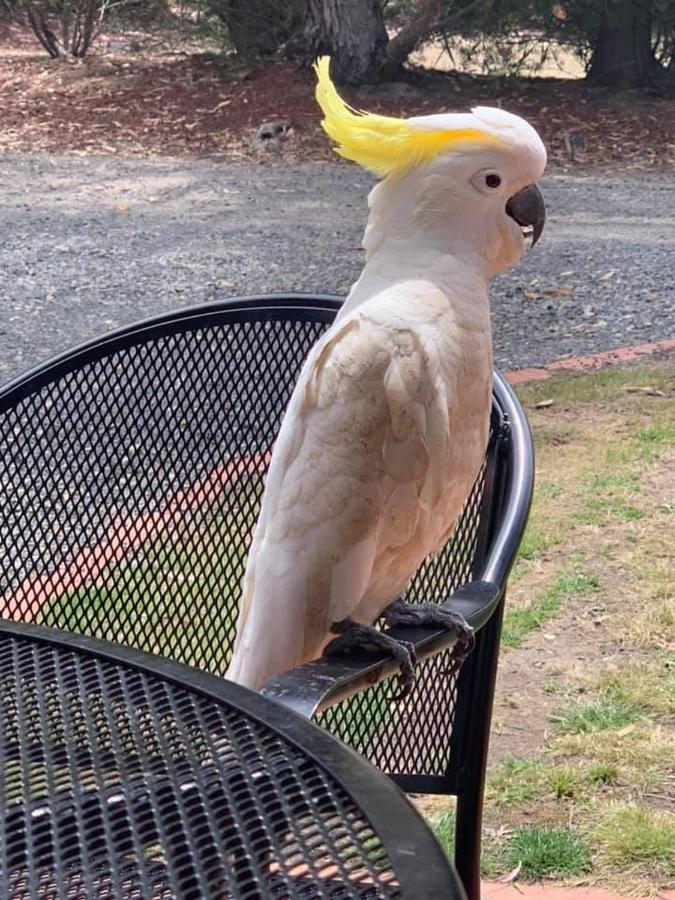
x=399 y=249
x=399 y=260
x=413 y=234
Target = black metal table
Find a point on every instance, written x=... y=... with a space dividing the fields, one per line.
x=125 y=775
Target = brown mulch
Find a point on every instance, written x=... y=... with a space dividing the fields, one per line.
x=139 y=94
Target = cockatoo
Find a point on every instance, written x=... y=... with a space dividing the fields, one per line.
x=387 y=427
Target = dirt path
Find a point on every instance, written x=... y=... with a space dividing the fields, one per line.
x=89 y=244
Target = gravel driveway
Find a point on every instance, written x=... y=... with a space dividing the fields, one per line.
x=91 y=244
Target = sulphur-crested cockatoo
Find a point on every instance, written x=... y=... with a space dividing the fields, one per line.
x=387 y=426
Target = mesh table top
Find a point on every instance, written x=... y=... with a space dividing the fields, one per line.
x=125 y=775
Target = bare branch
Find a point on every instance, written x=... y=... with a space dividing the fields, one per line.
x=425 y=19
x=79 y=23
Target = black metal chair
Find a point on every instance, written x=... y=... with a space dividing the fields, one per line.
x=131 y=471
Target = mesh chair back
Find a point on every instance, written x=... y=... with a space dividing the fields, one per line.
x=132 y=470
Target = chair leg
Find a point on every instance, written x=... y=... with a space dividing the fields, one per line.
x=468 y=841
x=481 y=674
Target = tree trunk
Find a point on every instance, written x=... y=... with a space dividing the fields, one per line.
x=259 y=27
x=352 y=32
x=79 y=23
x=45 y=35
x=623 y=54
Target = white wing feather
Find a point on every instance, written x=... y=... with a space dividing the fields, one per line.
x=358 y=489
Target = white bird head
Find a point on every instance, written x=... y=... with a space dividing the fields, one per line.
x=463 y=181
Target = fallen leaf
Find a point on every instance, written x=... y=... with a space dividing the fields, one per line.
x=607 y=275
x=532 y=295
x=543 y=404
x=649 y=391
x=628 y=729
x=216 y=108
x=558 y=292
x=122 y=206
x=512 y=875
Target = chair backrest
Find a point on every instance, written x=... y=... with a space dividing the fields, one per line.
x=132 y=469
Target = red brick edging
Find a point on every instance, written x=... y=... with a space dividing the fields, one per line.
x=588 y=363
x=125 y=535
x=519 y=891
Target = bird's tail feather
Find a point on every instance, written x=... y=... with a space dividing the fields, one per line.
x=271 y=638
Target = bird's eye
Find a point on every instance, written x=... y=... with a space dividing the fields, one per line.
x=485 y=181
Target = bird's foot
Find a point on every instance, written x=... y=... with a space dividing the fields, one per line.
x=353 y=635
x=401 y=613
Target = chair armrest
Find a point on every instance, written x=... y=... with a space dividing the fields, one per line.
x=311 y=688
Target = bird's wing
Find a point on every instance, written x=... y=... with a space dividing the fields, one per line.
x=350 y=474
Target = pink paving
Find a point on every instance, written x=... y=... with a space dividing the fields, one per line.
x=516 y=891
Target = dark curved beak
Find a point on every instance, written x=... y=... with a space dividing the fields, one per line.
x=527 y=209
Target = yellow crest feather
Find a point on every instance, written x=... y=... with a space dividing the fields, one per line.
x=385 y=145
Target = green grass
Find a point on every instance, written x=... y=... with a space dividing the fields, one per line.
x=546 y=852
x=548 y=490
x=652 y=440
x=628 y=513
x=630 y=835
x=625 y=481
x=598 y=510
x=518 y=623
x=541 y=852
x=520 y=780
x=602 y=773
x=607 y=766
x=515 y=781
x=606 y=495
x=443 y=826
x=535 y=542
x=647 y=684
x=641 y=752
x=658 y=433
x=540 y=535
x=564 y=783
x=167 y=597
x=595 y=386
x=604 y=714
